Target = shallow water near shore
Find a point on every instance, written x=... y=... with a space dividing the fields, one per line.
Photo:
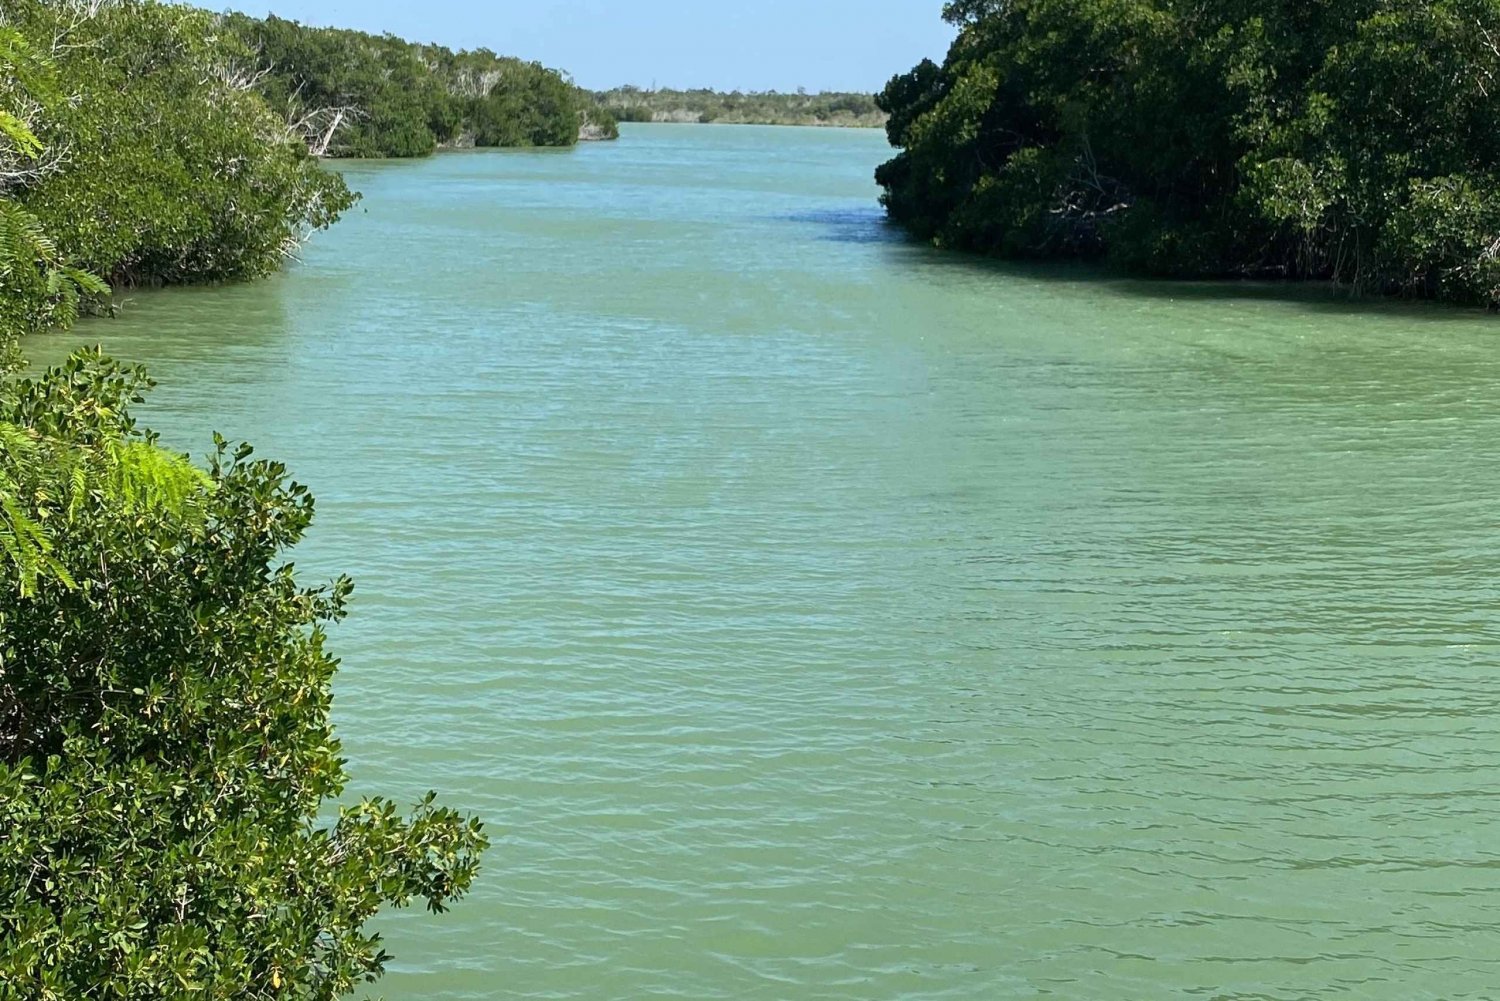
x=816 y=615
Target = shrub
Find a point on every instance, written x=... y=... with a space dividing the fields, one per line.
x=167 y=167
x=166 y=755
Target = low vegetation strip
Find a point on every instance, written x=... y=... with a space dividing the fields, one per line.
x=633 y=104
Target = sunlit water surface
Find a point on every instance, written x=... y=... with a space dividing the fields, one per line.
x=818 y=616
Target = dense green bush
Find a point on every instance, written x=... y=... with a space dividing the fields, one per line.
x=165 y=167
x=38 y=289
x=392 y=102
x=516 y=103
x=166 y=755
x=1357 y=140
x=361 y=95
x=166 y=758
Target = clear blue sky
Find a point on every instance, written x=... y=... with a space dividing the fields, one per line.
x=749 y=44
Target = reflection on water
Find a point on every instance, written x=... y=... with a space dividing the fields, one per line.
x=867 y=224
x=815 y=615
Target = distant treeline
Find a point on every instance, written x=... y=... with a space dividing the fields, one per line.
x=353 y=94
x=634 y=104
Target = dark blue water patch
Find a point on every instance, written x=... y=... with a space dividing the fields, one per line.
x=857 y=225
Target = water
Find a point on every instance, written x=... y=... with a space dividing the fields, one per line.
x=816 y=616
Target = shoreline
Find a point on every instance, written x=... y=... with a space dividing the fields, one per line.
x=786 y=125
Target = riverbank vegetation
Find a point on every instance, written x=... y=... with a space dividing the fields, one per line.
x=166 y=755
x=167 y=765
x=1357 y=141
x=132 y=152
x=359 y=95
x=633 y=104
x=148 y=143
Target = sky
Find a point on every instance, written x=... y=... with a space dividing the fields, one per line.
x=746 y=45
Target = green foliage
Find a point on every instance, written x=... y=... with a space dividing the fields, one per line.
x=24 y=74
x=520 y=104
x=1354 y=140
x=38 y=288
x=599 y=123
x=633 y=104
x=23 y=543
x=166 y=754
x=395 y=105
x=360 y=95
x=40 y=291
x=165 y=747
x=28 y=80
x=167 y=168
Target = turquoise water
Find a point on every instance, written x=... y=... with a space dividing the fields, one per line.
x=818 y=616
